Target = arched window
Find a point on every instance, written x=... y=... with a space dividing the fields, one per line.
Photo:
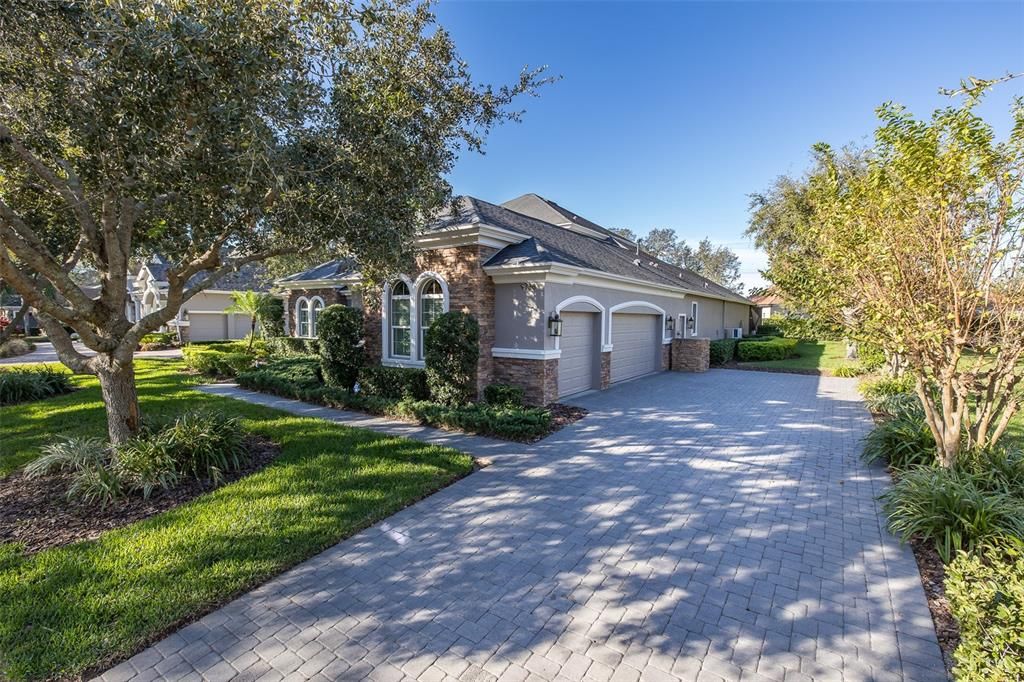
x=431 y=307
x=302 y=316
x=400 y=315
x=315 y=306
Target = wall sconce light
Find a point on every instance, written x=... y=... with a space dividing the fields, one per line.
x=670 y=325
x=554 y=325
x=184 y=314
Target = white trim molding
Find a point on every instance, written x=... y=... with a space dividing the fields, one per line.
x=589 y=301
x=526 y=353
x=639 y=304
x=415 y=287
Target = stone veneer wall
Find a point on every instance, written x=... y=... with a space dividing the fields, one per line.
x=691 y=355
x=666 y=355
x=538 y=378
x=330 y=295
x=470 y=290
x=606 y=369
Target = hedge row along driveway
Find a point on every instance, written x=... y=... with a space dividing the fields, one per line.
x=76 y=609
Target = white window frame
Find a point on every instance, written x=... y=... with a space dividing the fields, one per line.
x=421 y=283
x=301 y=304
x=694 y=310
x=314 y=315
x=414 y=359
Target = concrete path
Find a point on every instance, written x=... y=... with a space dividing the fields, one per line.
x=45 y=352
x=692 y=527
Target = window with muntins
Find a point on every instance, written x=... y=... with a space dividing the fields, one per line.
x=314 y=312
x=302 y=314
x=431 y=307
x=400 y=315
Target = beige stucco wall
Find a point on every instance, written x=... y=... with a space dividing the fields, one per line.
x=523 y=311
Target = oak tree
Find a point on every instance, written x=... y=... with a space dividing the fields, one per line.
x=216 y=133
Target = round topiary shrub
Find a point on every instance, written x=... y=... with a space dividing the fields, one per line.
x=341 y=345
x=452 y=346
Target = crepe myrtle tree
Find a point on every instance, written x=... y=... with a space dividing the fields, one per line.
x=217 y=134
x=924 y=240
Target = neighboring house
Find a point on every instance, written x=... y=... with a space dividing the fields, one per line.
x=202 y=317
x=770 y=305
x=564 y=305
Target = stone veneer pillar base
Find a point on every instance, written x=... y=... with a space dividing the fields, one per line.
x=691 y=355
x=606 y=369
x=537 y=378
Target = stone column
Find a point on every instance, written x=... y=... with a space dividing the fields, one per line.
x=691 y=355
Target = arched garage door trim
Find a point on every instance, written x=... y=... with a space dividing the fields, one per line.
x=638 y=304
x=582 y=299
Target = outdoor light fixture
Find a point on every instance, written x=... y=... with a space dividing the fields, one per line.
x=184 y=314
x=670 y=325
x=555 y=325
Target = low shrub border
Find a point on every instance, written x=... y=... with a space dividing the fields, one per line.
x=752 y=350
x=23 y=385
x=986 y=596
x=510 y=423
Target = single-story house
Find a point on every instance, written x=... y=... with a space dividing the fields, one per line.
x=769 y=305
x=564 y=305
x=203 y=317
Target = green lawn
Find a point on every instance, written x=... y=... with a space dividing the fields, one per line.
x=78 y=608
x=823 y=356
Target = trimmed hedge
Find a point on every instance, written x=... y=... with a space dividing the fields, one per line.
x=158 y=338
x=765 y=351
x=452 y=349
x=282 y=346
x=986 y=596
x=394 y=383
x=217 y=361
x=502 y=422
x=341 y=345
x=723 y=351
x=24 y=385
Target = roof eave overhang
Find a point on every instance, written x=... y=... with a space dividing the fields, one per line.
x=468 y=234
x=570 y=274
x=338 y=282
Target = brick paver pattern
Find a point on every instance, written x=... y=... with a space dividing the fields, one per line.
x=718 y=526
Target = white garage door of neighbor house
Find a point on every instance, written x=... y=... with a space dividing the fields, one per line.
x=579 y=353
x=208 y=327
x=635 y=345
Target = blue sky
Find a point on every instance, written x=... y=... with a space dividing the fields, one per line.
x=670 y=114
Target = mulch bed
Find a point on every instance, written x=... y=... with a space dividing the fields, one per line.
x=37 y=513
x=933 y=579
x=561 y=416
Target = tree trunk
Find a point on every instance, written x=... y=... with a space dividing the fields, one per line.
x=122 y=401
x=851 y=350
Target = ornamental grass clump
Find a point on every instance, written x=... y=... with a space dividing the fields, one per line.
x=23 y=385
x=198 y=445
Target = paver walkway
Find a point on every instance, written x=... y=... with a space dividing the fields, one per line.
x=692 y=527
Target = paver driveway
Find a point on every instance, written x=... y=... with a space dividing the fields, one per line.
x=715 y=526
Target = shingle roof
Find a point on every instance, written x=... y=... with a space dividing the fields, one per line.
x=332 y=269
x=549 y=211
x=548 y=243
x=251 y=277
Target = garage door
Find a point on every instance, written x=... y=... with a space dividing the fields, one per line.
x=579 y=352
x=635 y=345
x=207 y=326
